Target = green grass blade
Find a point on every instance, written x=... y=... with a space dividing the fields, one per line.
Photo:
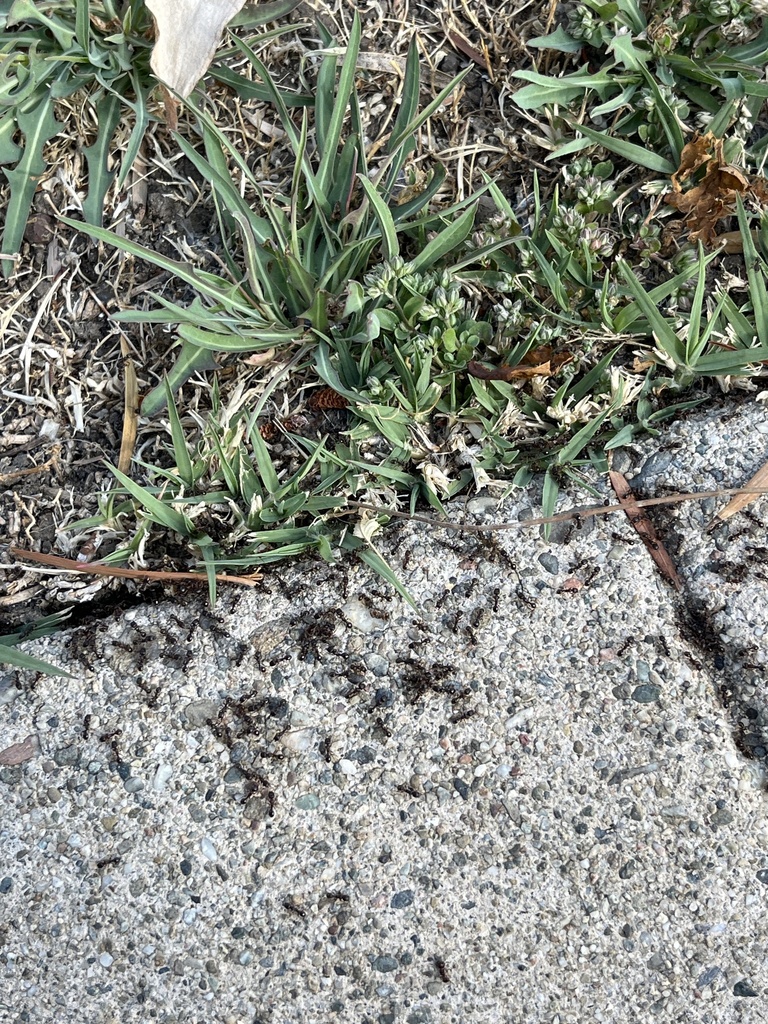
x=409 y=99
x=180 y=450
x=156 y=509
x=665 y=337
x=258 y=15
x=191 y=359
x=755 y=276
x=732 y=361
x=108 y=112
x=378 y=563
x=449 y=239
x=692 y=339
x=264 y=463
x=324 y=96
x=37 y=124
x=396 y=141
x=248 y=90
x=336 y=122
x=10 y=656
x=389 y=241
x=627 y=150
x=666 y=115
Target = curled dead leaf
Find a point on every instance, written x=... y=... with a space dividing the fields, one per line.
x=713 y=197
x=188 y=32
x=475 y=369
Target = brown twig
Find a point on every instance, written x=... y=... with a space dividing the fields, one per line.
x=98 y=569
x=562 y=517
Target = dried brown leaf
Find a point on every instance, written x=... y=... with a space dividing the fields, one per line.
x=642 y=524
x=715 y=195
x=18 y=753
x=757 y=484
x=130 y=411
x=188 y=32
x=475 y=369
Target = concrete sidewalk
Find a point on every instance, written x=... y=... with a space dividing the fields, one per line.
x=539 y=799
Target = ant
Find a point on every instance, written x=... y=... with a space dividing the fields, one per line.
x=461 y=716
x=290 y=905
x=408 y=790
x=442 y=969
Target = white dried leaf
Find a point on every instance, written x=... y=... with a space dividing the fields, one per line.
x=188 y=32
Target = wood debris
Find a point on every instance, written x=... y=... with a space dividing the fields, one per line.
x=642 y=524
x=754 y=487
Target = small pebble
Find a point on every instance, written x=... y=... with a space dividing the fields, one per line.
x=646 y=694
x=208 y=849
x=161 y=777
x=308 y=802
x=384 y=964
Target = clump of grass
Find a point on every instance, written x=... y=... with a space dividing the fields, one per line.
x=653 y=70
x=467 y=355
x=100 y=51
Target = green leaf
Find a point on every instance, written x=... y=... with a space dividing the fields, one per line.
x=38 y=125
x=216 y=288
x=627 y=150
x=108 y=111
x=261 y=336
x=157 y=510
x=377 y=562
x=546 y=91
x=409 y=99
x=180 y=450
x=725 y=361
x=248 y=90
x=557 y=40
x=580 y=440
x=666 y=115
x=623 y=48
x=665 y=337
x=389 y=241
x=336 y=122
x=755 y=267
x=258 y=15
x=191 y=359
x=10 y=656
x=449 y=239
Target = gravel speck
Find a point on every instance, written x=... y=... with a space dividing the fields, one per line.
x=402 y=899
x=6 y=885
x=207 y=849
x=744 y=990
x=133 y=785
x=384 y=964
x=646 y=694
x=66 y=756
x=461 y=788
x=161 y=777
x=106 y=959
x=199 y=712
x=308 y=802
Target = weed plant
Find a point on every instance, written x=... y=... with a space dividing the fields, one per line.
x=467 y=354
x=54 y=50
